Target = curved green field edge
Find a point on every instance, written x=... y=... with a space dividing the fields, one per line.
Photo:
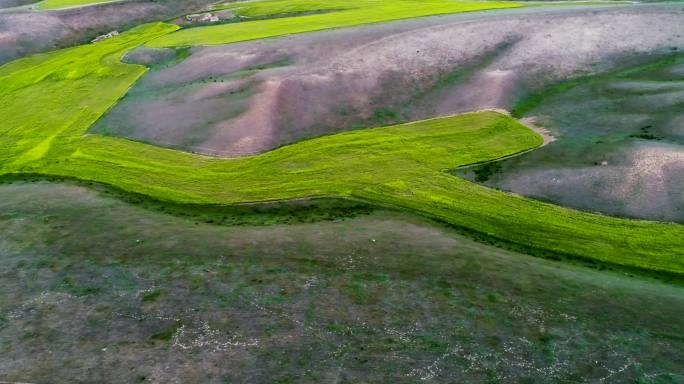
x=49 y=101
x=59 y=4
x=343 y=14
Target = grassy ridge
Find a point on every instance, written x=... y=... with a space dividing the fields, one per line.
x=338 y=13
x=74 y=260
x=49 y=101
x=400 y=166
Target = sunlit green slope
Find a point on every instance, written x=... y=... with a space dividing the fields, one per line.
x=48 y=102
x=57 y=4
x=291 y=16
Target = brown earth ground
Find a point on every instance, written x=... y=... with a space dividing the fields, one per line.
x=245 y=98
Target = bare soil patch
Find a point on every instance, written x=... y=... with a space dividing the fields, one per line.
x=380 y=74
x=24 y=32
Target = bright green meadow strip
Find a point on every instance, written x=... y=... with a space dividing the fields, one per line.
x=58 y=4
x=336 y=14
x=57 y=95
x=49 y=101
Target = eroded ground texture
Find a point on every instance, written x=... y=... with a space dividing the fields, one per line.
x=620 y=148
x=93 y=289
x=24 y=32
x=246 y=98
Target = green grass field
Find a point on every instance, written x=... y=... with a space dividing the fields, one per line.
x=327 y=14
x=49 y=101
x=57 y=4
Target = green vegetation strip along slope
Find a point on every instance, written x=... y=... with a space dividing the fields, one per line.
x=335 y=14
x=49 y=101
x=58 y=4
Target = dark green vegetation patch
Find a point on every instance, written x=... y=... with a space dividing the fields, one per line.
x=619 y=143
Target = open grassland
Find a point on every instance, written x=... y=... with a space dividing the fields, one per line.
x=49 y=101
x=283 y=17
x=96 y=290
x=64 y=92
x=57 y=4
